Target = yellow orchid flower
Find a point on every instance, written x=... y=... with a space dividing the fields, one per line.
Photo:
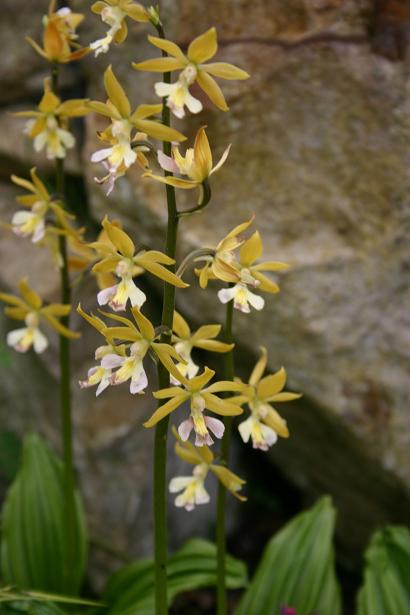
x=29 y=307
x=197 y=165
x=264 y=424
x=59 y=36
x=126 y=127
x=192 y=487
x=250 y=274
x=114 y=14
x=119 y=257
x=49 y=127
x=220 y=263
x=100 y=375
x=184 y=341
x=40 y=202
x=194 y=69
x=200 y=398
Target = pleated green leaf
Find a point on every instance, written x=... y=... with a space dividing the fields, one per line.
x=386 y=586
x=33 y=549
x=30 y=608
x=297 y=568
x=130 y=591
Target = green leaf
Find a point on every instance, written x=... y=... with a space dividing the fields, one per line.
x=33 y=546
x=130 y=591
x=386 y=586
x=30 y=608
x=10 y=453
x=297 y=568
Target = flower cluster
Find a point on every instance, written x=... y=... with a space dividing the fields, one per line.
x=130 y=338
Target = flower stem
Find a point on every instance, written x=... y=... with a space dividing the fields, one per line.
x=229 y=374
x=65 y=390
x=161 y=431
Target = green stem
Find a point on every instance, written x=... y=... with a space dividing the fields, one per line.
x=161 y=431
x=65 y=390
x=229 y=374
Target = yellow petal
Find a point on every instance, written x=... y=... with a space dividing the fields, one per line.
x=259 y=368
x=12 y=300
x=164 y=410
x=144 y=325
x=286 y=396
x=251 y=250
x=29 y=295
x=52 y=41
x=49 y=103
x=197 y=383
x=225 y=71
x=23 y=183
x=271 y=385
x=276 y=422
x=271 y=266
x=168 y=46
x=60 y=328
x=37 y=47
x=143 y=111
x=137 y=12
x=101 y=108
x=158 y=131
x=231 y=481
x=203 y=47
x=17 y=313
x=163 y=352
x=212 y=90
x=185 y=184
x=119 y=238
x=118 y=318
x=239 y=229
x=40 y=187
x=77 y=107
x=180 y=326
x=221 y=406
x=157 y=257
x=126 y=334
x=164 y=274
x=107 y=265
x=160 y=65
x=121 y=34
x=190 y=455
x=116 y=93
x=168 y=392
x=226 y=385
x=202 y=154
x=214 y=346
x=97 y=7
x=56 y=309
x=206 y=332
x=94 y=321
x=265 y=283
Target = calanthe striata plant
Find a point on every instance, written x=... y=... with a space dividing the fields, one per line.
x=142 y=136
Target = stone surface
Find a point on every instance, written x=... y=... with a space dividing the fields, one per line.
x=319 y=153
